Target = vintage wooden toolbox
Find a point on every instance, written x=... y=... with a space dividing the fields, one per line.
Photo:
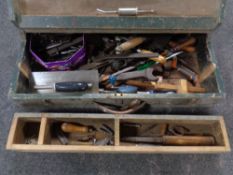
x=78 y=17
x=41 y=132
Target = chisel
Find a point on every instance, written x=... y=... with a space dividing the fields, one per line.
x=174 y=140
x=66 y=86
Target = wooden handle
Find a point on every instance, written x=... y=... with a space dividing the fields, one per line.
x=188 y=140
x=152 y=85
x=130 y=44
x=207 y=71
x=24 y=69
x=187 y=43
x=67 y=127
x=189 y=49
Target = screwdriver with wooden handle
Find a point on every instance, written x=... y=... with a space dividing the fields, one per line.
x=130 y=44
x=74 y=128
x=174 y=140
x=66 y=86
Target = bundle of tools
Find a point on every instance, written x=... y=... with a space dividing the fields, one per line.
x=140 y=65
x=164 y=134
x=79 y=134
x=57 y=52
x=125 y=64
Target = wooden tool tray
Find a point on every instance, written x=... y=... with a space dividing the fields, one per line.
x=40 y=124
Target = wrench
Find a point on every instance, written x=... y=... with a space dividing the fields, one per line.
x=147 y=73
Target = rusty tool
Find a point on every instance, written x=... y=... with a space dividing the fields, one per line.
x=130 y=44
x=73 y=128
x=174 y=140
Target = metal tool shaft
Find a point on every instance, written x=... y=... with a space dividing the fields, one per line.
x=131 y=11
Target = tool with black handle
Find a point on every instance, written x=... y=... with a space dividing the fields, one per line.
x=66 y=86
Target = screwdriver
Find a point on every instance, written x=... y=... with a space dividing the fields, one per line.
x=66 y=86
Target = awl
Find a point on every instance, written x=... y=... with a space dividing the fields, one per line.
x=66 y=86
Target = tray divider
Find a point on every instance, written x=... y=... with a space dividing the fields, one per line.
x=117 y=132
x=44 y=131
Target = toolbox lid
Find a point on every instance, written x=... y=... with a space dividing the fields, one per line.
x=81 y=15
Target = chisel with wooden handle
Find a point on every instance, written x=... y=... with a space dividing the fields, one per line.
x=130 y=44
x=73 y=128
x=174 y=140
x=181 y=46
x=189 y=49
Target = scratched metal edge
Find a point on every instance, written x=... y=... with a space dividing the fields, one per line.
x=114 y=24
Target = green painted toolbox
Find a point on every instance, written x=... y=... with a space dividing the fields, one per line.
x=170 y=17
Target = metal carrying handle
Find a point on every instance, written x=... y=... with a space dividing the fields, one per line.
x=129 y=11
x=133 y=106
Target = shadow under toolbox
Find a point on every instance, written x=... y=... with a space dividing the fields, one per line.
x=163 y=45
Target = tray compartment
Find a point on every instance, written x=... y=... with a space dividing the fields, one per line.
x=26 y=131
x=160 y=128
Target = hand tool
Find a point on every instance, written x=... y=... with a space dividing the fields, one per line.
x=207 y=71
x=62 y=137
x=64 y=46
x=130 y=44
x=146 y=65
x=163 y=86
x=127 y=89
x=94 y=65
x=73 y=128
x=192 y=76
x=189 y=49
x=178 y=130
x=159 y=58
x=107 y=129
x=131 y=11
x=183 y=45
x=162 y=128
x=59 y=62
x=50 y=78
x=107 y=77
x=174 y=140
x=138 y=104
x=66 y=86
x=133 y=55
x=130 y=124
x=147 y=73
